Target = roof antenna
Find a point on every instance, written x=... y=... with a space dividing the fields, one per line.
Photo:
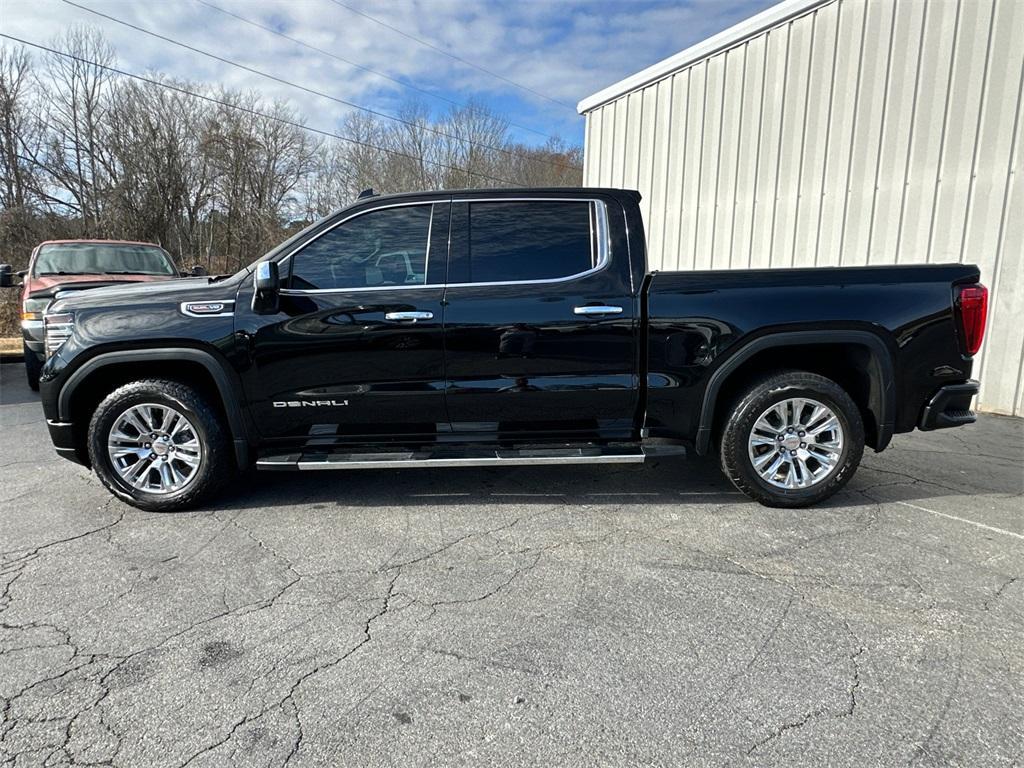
x=368 y=192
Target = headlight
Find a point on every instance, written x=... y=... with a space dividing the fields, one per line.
x=57 y=329
x=32 y=309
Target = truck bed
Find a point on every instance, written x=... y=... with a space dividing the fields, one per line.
x=893 y=324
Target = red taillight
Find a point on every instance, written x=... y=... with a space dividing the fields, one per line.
x=973 y=304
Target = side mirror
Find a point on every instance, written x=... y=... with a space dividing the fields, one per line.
x=8 y=277
x=198 y=270
x=268 y=286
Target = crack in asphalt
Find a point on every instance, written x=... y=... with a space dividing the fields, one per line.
x=33 y=552
x=290 y=696
x=736 y=676
x=923 y=748
x=516 y=573
x=103 y=679
x=999 y=591
x=289 y=699
x=807 y=717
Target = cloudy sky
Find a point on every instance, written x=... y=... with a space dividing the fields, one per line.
x=554 y=52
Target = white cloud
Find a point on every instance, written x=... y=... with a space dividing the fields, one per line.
x=565 y=49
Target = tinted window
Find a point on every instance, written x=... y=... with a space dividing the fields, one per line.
x=380 y=248
x=529 y=240
x=102 y=259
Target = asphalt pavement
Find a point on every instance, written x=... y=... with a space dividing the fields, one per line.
x=524 y=616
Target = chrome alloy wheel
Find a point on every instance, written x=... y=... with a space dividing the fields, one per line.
x=796 y=443
x=154 y=448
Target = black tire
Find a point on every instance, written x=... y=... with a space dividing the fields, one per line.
x=762 y=394
x=33 y=365
x=216 y=465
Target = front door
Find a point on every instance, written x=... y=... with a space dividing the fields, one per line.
x=356 y=349
x=540 y=322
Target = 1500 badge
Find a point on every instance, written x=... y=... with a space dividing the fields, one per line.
x=308 y=403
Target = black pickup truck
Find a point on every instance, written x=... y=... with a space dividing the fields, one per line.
x=503 y=327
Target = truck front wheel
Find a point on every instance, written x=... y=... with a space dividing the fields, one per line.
x=159 y=445
x=792 y=439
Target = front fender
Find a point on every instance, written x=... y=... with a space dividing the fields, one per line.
x=224 y=378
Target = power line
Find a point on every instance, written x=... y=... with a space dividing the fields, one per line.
x=254 y=112
x=450 y=55
x=314 y=91
x=342 y=59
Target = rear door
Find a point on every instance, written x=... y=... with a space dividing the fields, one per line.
x=356 y=350
x=540 y=320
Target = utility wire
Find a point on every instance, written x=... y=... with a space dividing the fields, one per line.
x=254 y=112
x=371 y=70
x=315 y=92
x=450 y=55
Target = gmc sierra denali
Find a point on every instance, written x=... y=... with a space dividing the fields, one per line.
x=503 y=327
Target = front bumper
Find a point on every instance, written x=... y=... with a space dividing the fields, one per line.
x=34 y=335
x=950 y=407
x=63 y=438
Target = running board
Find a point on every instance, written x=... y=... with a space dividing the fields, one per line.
x=448 y=457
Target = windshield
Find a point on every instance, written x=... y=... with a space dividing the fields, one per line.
x=102 y=259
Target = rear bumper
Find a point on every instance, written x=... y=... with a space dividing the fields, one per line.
x=950 y=407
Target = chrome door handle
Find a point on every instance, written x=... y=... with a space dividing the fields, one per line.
x=409 y=317
x=602 y=310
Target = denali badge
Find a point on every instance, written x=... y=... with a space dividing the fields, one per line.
x=205 y=308
x=307 y=403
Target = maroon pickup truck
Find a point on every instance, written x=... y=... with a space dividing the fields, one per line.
x=58 y=265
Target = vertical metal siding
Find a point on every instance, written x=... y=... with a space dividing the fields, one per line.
x=864 y=132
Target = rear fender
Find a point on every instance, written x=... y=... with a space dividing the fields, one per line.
x=882 y=397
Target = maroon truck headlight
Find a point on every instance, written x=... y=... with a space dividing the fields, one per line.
x=32 y=309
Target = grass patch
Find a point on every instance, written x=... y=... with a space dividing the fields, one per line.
x=10 y=347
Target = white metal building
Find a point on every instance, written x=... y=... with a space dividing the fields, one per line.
x=825 y=132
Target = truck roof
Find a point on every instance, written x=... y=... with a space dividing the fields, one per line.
x=87 y=240
x=502 y=192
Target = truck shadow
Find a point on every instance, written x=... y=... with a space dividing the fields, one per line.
x=665 y=481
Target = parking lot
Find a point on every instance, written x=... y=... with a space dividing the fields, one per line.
x=526 y=616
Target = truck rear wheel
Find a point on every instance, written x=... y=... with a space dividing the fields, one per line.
x=159 y=445
x=793 y=439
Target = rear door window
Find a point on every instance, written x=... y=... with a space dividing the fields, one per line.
x=531 y=240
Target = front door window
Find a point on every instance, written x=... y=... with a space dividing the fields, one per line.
x=383 y=248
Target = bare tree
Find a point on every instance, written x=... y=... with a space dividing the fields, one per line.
x=555 y=164
x=20 y=131
x=258 y=158
x=21 y=137
x=77 y=158
x=479 y=146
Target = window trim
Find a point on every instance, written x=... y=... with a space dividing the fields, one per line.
x=598 y=205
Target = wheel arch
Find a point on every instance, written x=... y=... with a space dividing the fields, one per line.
x=109 y=370
x=877 y=400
